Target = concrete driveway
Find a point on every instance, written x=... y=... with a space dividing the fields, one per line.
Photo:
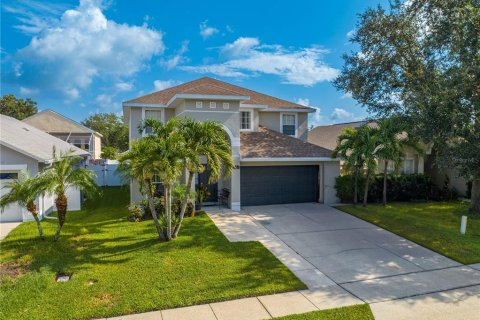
x=331 y=250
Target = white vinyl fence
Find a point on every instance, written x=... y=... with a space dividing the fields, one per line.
x=106 y=172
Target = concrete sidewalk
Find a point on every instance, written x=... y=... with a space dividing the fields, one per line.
x=6 y=228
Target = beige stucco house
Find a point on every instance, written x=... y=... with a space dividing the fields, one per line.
x=68 y=130
x=26 y=148
x=274 y=162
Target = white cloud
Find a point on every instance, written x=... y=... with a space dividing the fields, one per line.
x=247 y=57
x=83 y=45
x=27 y=91
x=347 y=95
x=340 y=114
x=351 y=33
x=304 y=101
x=177 y=58
x=206 y=31
x=164 y=84
x=124 y=86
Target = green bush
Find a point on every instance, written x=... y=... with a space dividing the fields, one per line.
x=399 y=188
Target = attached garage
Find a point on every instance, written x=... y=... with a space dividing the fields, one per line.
x=263 y=185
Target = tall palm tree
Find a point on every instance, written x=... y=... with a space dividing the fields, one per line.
x=64 y=173
x=24 y=191
x=207 y=138
x=367 y=144
x=157 y=154
x=348 y=149
x=392 y=139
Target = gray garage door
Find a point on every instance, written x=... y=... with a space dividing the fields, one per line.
x=278 y=184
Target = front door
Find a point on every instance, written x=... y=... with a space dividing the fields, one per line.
x=212 y=187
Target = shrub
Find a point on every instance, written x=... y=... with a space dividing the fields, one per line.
x=135 y=212
x=399 y=188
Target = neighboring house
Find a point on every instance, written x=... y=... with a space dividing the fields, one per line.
x=274 y=163
x=327 y=137
x=68 y=130
x=23 y=147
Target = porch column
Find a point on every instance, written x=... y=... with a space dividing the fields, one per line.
x=235 y=177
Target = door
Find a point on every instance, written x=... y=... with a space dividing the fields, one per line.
x=212 y=187
x=12 y=212
x=278 y=184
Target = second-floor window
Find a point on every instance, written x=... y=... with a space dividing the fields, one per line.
x=152 y=114
x=246 y=120
x=289 y=124
x=213 y=105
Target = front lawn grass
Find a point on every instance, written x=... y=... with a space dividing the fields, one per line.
x=435 y=225
x=355 y=312
x=119 y=267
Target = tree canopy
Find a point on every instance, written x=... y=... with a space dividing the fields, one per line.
x=421 y=60
x=17 y=108
x=112 y=127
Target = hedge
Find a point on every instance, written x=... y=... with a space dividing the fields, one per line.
x=405 y=187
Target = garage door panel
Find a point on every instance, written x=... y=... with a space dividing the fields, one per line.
x=278 y=184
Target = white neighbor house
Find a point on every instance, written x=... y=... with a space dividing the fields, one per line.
x=23 y=147
x=274 y=163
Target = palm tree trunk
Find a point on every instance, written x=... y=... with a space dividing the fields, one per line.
x=151 y=205
x=365 y=194
x=61 y=203
x=385 y=183
x=475 y=199
x=355 y=191
x=184 y=204
x=168 y=209
x=32 y=208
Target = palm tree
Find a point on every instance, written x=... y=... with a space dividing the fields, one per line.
x=64 y=173
x=347 y=148
x=207 y=138
x=24 y=191
x=367 y=144
x=157 y=154
x=392 y=139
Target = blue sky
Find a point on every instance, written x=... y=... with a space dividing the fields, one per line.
x=84 y=57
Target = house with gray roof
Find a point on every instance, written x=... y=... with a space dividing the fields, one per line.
x=24 y=147
x=274 y=162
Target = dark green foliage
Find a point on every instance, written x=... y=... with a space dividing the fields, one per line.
x=399 y=188
x=16 y=107
x=112 y=127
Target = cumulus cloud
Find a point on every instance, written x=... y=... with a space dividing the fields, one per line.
x=206 y=31
x=340 y=114
x=83 y=45
x=177 y=58
x=124 y=86
x=351 y=33
x=164 y=84
x=247 y=57
x=315 y=118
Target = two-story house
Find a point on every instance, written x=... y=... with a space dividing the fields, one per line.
x=274 y=162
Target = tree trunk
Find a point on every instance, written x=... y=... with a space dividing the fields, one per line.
x=184 y=204
x=475 y=199
x=365 y=194
x=61 y=203
x=151 y=205
x=385 y=172
x=168 y=209
x=355 y=191
x=32 y=208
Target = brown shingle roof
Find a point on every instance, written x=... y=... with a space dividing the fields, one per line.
x=211 y=86
x=266 y=143
x=326 y=136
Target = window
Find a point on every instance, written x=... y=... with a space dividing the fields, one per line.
x=8 y=175
x=288 y=124
x=199 y=105
x=152 y=114
x=226 y=106
x=77 y=143
x=246 y=120
x=213 y=105
x=408 y=166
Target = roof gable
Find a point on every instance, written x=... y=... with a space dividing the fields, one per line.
x=51 y=121
x=210 y=86
x=33 y=142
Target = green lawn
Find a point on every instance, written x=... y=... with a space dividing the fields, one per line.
x=120 y=267
x=356 y=312
x=435 y=225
